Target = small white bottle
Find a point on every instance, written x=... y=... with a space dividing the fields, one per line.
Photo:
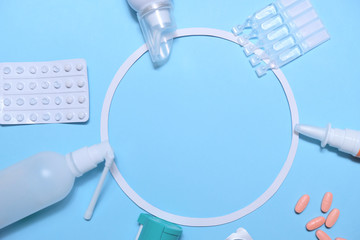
x=44 y=179
x=346 y=140
x=157 y=25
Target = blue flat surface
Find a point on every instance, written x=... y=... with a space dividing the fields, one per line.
x=202 y=136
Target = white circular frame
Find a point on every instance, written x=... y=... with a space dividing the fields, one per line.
x=189 y=221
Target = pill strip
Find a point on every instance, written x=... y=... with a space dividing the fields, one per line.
x=44 y=92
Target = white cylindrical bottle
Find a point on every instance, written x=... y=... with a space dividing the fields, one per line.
x=43 y=179
x=157 y=25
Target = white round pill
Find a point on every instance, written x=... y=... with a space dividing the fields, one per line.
x=45 y=85
x=7 y=117
x=7 y=102
x=32 y=85
x=80 y=84
x=81 y=115
x=57 y=100
x=33 y=117
x=81 y=99
x=6 y=86
x=45 y=100
x=58 y=116
x=57 y=85
x=44 y=69
x=32 y=70
x=56 y=69
x=33 y=101
x=68 y=84
x=79 y=67
x=20 y=101
x=69 y=100
x=20 y=117
x=20 y=86
x=69 y=116
x=19 y=70
x=67 y=68
x=46 y=117
x=7 y=70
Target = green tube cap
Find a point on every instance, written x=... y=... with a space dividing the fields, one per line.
x=157 y=229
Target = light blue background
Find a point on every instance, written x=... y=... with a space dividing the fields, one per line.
x=201 y=136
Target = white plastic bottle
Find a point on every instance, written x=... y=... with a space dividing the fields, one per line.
x=44 y=179
x=346 y=140
x=157 y=25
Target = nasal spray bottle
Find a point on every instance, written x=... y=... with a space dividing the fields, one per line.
x=157 y=25
x=46 y=178
x=347 y=140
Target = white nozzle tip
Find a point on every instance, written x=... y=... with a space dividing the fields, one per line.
x=88 y=215
x=298 y=128
x=321 y=134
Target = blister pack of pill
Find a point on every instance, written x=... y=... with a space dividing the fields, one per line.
x=44 y=92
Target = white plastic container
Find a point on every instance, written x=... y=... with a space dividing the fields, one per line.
x=44 y=179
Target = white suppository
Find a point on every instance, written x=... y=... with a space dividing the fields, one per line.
x=44 y=92
x=285 y=30
x=189 y=221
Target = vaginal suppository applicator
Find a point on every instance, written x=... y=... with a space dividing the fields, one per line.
x=44 y=179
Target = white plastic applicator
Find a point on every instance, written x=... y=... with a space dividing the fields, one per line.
x=157 y=25
x=347 y=140
x=109 y=159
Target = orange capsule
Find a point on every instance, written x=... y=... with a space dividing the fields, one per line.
x=326 y=202
x=315 y=223
x=332 y=217
x=302 y=203
x=321 y=235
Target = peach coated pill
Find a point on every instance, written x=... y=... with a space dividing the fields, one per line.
x=315 y=223
x=321 y=235
x=340 y=239
x=326 y=202
x=302 y=203
x=332 y=218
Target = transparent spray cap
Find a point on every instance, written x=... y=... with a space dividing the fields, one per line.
x=158 y=26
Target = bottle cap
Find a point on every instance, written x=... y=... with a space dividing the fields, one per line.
x=158 y=26
x=154 y=228
x=87 y=158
